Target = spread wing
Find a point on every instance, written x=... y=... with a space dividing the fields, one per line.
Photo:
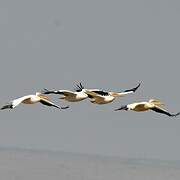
x=95 y=93
x=62 y=92
x=46 y=91
x=14 y=103
x=129 y=91
x=163 y=111
x=68 y=93
x=49 y=103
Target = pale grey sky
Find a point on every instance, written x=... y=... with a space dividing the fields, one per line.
x=111 y=45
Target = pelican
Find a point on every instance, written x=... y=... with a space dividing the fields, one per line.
x=103 y=97
x=152 y=104
x=70 y=96
x=31 y=99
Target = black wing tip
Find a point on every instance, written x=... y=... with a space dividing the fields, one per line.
x=79 y=87
x=45 y=91
x=123 y=107
x=175 y=115
x=65 y=107
x=8 y=106
x=134 y=89
x=117 y=109
x=158 y=110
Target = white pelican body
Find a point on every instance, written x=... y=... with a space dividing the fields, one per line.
x=152 y=104
x=101 y=97
x=97 y=98
x=31 y=99
x=141 y=106
x=70 y=96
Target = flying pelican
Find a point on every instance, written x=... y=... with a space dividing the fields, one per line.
x=152 y=104
x=71 y=96
x=31 y=99
x=103 y=97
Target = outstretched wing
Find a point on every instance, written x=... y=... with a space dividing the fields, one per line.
x=95 y=93
x=49 y=103
x=61 y=92
x=163 y=111
x=46 y=91
x=14 y=103
x=125 y=92
x=133 y=89
x=68 y=93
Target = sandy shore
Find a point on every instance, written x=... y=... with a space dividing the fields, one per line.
x=41 y=165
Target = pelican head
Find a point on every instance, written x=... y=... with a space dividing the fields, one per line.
x=122 y=108
x=156 y=102
x=38 y=93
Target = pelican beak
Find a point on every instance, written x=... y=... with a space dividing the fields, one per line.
x=122 y=108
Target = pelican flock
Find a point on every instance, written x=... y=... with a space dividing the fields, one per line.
x=96 y=96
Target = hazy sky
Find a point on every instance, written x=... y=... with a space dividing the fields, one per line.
x=111 y=45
